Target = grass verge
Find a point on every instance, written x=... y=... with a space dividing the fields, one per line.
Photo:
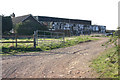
x=106 y=64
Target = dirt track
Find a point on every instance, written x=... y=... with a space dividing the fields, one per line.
x=70 y=62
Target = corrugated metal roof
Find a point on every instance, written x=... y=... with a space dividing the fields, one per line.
x=55 y=19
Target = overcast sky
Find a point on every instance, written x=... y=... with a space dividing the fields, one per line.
x=101 y=12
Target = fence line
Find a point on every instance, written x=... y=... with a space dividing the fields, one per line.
x=37 y=36
x=16 y=37
x=43 y=36
x=18 y=42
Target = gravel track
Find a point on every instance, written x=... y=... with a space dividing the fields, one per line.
x=69 y=62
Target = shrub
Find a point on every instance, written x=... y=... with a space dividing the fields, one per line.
x=28 y=28
x=6 y=24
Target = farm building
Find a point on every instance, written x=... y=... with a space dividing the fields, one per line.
x=23 y=18
x=27 y=24
x=71 y=26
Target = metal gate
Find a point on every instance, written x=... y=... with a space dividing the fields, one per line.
x=42 y=38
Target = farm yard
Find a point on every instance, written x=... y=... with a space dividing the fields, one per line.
x=67 y=62
x=73 y=57
x=54 y=48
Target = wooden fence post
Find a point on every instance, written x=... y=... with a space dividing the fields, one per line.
x=51 y=41
x=63 y=39
x=16 y=39
x=34 y=36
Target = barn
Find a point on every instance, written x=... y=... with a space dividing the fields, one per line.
x=68 y=26
x=71 y=26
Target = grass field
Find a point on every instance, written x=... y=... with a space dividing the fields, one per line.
x=106 y=65
x=9 y=48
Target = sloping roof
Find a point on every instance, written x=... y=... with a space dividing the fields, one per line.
x=49 y=19
x=20 y=18
x=56 y=19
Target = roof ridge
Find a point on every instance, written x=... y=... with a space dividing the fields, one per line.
x=64 y=18
x=23 y=15
x=20 y=18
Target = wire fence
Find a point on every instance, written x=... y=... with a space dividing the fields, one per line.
x=47 y=38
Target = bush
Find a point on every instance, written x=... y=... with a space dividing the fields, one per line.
x=6 y=24
x=28 y=28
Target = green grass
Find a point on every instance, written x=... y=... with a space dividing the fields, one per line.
x=9 y=48
x=106 y=66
